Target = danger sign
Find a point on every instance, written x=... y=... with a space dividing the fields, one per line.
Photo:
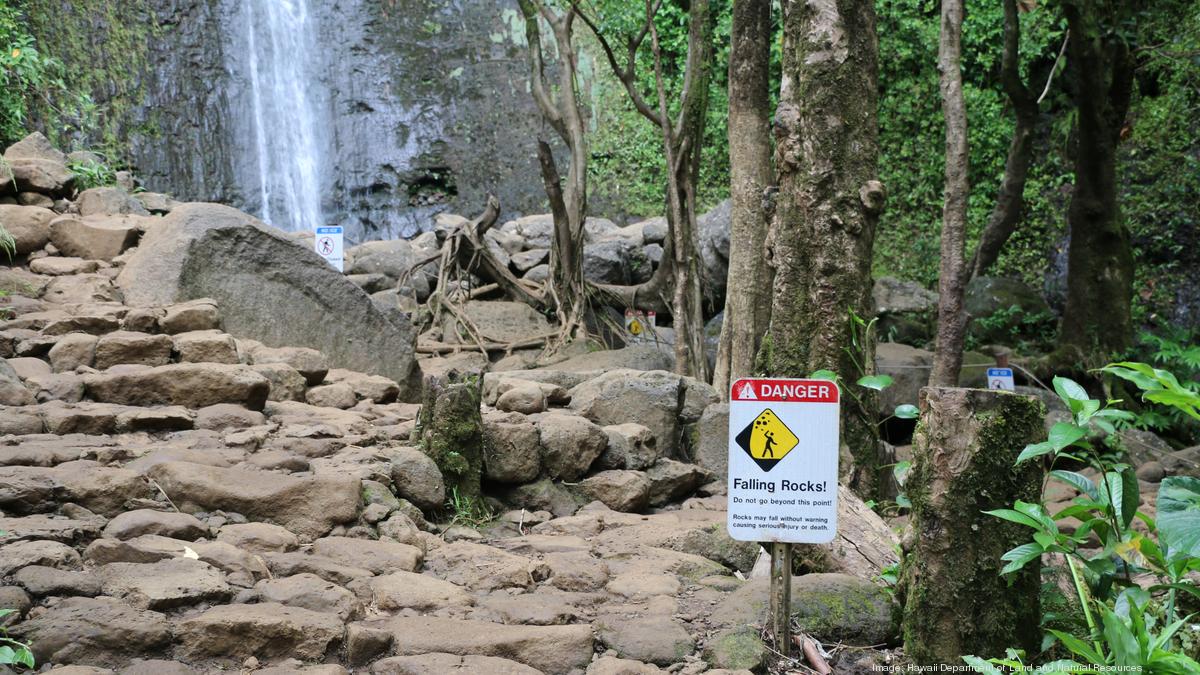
x=783 y=460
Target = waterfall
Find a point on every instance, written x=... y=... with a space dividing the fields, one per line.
x=285 y=122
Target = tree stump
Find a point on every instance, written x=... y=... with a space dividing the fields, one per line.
x=964 y=454
x=450 y=430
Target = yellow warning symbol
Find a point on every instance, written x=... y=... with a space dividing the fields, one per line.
x=635 y=327
x=767 y=439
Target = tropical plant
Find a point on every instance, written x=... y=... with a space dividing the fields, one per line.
x=90 y=173
x=1130 y=627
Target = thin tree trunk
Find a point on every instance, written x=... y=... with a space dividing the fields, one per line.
x=748 y=290
x=827 y=152
x=1006 y=214
x=568 y=202
x=952 y=272
x=1097 y=320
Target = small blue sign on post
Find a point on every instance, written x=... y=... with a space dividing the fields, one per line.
x=1001 y=378
x=328 y=244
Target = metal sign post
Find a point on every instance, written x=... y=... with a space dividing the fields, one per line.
x=783 y=471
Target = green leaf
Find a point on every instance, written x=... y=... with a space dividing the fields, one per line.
x=824 y=375
x=1079 y=647
x=876 y=382
x=1121 y=640
x=1063 y=666
x=1020 y=556
x=981 y=666
x=1076 y=480
x=1015 y=517
x=1035 y=450
x=907 y=411
x=1064 y=434
x=1071 y=393
x=1179 y=516
x=1129 y=496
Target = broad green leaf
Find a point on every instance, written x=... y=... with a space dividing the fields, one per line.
x=907 y=411
x=1019 y=557
x=876 y=382
x=1076 y=480
x=1129 y=496
x=1035 y=450
x=1071 y=393
x=981 y=666
x=1063 y=434
x=824 y=375
x=1015 y=517
x=1120 y=639
x=1079 y=647
x=1179 y=516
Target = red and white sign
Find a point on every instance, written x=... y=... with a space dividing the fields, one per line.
x=789 y=391
x=783 y=460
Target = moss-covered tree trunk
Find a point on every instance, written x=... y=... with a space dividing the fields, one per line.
x=1097 y=320
x=964 y=454
x=450 y=430
x=826 y=156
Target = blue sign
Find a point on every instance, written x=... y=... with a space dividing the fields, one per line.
x=1001 y=378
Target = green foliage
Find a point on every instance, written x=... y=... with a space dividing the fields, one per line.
x=90 y=173
x=911 y=127
x=1177 y=351
x=627 y=172
x=8 y=245
x=468 y=511
x=1028 y=331
x=29 y=78
x=13 y=652
x=1128 y=627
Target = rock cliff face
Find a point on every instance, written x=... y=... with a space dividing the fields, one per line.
x=427 y=103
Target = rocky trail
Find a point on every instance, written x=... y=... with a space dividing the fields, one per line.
x=179 y=497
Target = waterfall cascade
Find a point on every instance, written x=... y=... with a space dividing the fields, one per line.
x=286 y=120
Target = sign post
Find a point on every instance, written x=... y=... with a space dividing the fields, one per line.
x=783 y=472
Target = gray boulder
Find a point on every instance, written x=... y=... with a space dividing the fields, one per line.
x=269 y=289
x=37 y=166
x=653 y=399
x=713 y=233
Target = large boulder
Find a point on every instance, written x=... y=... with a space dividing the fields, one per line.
x=28 y=225
x=269 y=289
x=193 y=385
x=713 y=230
x=37 y=166
x=653 y=399
x=94 y=237
x=307 y=506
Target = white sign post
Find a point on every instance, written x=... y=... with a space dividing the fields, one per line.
x=783 y=475
x=1001 y=378
x=328 y=244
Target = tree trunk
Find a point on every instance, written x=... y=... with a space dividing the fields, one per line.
x=952 y=269
x=1010 y=201
x=682 y=142
x=1097 y=321
x=450 y=431
x=568 y=203
x=964 y=455
x=748 y=289
x=827 y=151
